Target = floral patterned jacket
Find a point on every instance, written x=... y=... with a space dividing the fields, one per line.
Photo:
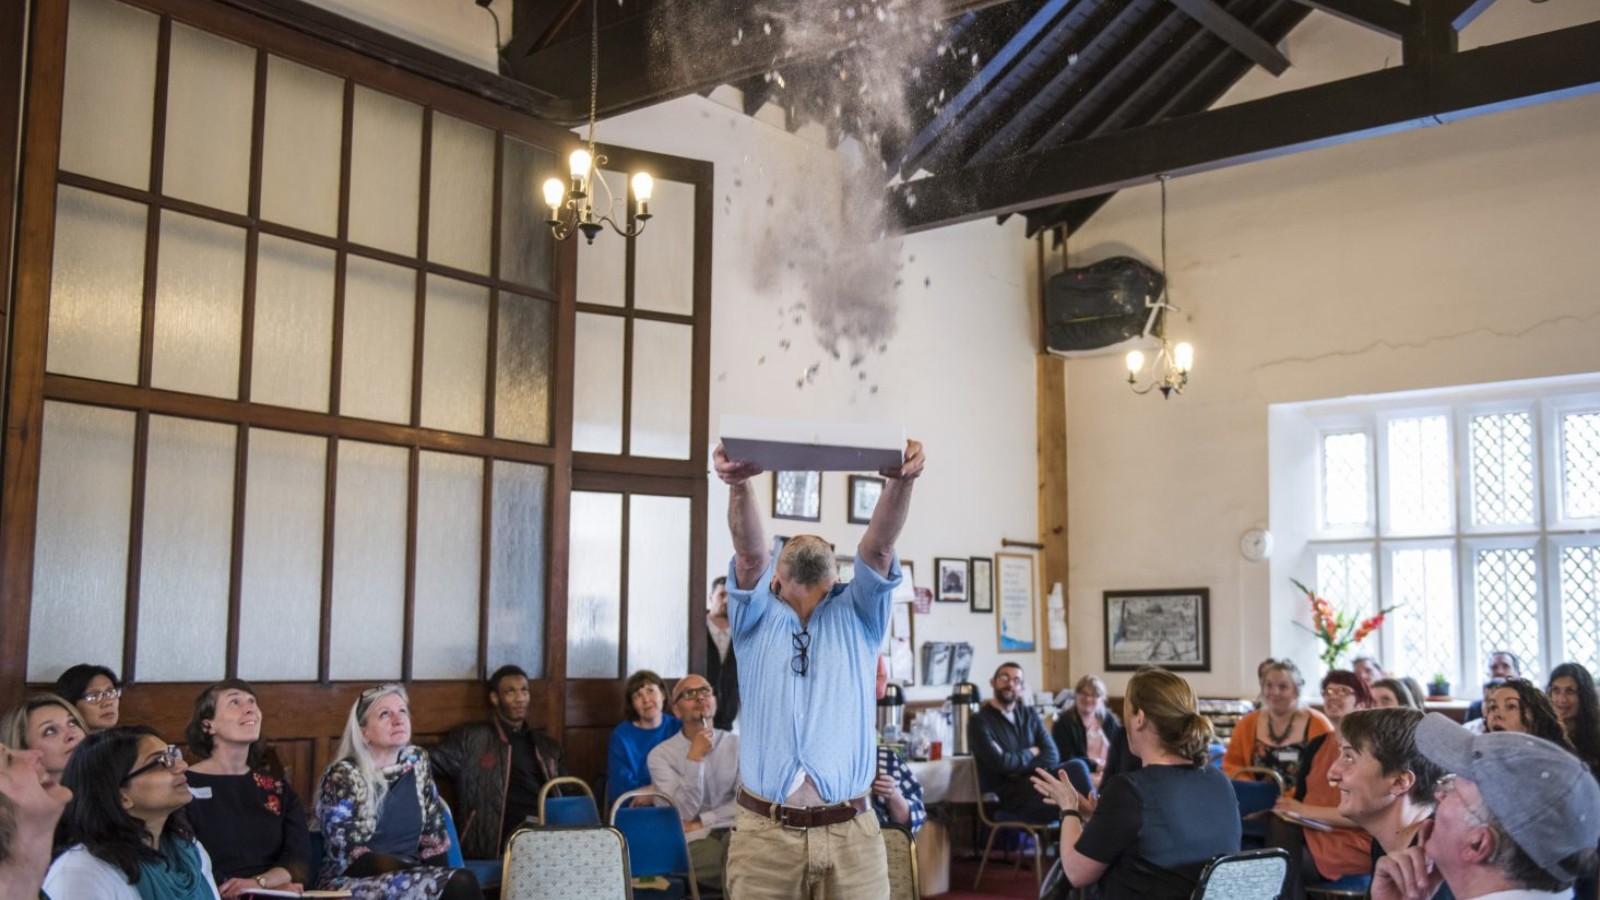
x=342 y=799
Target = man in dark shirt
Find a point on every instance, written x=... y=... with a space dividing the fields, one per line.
x=498 y=765
x=722 y=667
x=1009 y=742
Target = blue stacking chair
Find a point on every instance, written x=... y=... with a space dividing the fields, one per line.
x=577 y=808
x=656 y=845
x=487 y=871
x=1256 y=799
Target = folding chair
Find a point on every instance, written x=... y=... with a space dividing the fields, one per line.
x=576 y=809
x=901 y=849
x=1247 y=875
x=561 y=862
x=656 y=844
x=1256 y=799
x=1040 y=833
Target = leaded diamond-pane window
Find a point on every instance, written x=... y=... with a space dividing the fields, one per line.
x=1502 y=469
x=1580 y=465
x=1424 y=621
x=1580 y=605
x=1346 y=580
x=1346 y=472
x=1419 y=474
x=1506 y=586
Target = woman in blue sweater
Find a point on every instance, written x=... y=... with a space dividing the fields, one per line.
x=648 y=724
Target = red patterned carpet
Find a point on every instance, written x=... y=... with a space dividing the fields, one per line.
x=999 y=880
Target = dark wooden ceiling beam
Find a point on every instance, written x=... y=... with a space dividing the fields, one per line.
x=651 y=57
x=1238 y=35
x=1387 y=17
x=1508 y=75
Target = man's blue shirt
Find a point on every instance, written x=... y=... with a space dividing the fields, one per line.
x=821 y=721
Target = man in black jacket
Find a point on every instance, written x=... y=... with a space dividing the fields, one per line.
x=1009 y=741
x=498 y=766
x=722 y=667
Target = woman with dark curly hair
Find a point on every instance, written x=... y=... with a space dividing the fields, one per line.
x=1572 y=693
x=244 y=813
x=125 y=831
x=1519 y=706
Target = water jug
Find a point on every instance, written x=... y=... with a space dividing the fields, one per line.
x=963 y=706
x=891 y=709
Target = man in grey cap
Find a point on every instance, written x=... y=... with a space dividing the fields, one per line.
x=1518 y=819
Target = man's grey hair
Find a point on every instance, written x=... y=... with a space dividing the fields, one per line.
x=807 y=560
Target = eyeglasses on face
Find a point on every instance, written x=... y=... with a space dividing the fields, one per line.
x=802 y=648
x=168 y=758
x=696 y=693
x=107 y=694
x=1337 y=690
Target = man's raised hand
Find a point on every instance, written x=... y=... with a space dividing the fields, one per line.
x=732 y=471
x=908 y=469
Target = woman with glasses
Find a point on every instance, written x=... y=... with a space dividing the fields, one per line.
x=647 y=724
x=96 y=692
x=1273 y=736
x=48 y=724
x=244 y=812
x=1088 y=730
x=125 y=831
x=382 y=819
x=1315 y=854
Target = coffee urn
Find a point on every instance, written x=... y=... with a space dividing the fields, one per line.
x=891 y=710
x=963 y=706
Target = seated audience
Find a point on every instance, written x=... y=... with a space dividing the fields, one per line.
x=498 y=765
x=1087 y=730
x=125 y=832
x=1273 y=736
x=1520 y=707
x=95 y=691
x=1388 y=693
x=31 y=802
x=1501 y=664
x=1152 y=831
x=646 y=725
x=1368 y=669
x=1008 y=742
x=1385 y=785
x=699 y=769
x=1317 y=855
x=48 y=724
x=1572 y=693
x=245 y=814
x=896 y=793
x=382 y=820
x=1516 y=817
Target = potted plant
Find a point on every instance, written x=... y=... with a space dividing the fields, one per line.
x=1439 y=687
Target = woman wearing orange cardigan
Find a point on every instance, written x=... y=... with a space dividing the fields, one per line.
x=1273 y=736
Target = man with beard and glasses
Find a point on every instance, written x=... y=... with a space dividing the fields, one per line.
x=1009 y=742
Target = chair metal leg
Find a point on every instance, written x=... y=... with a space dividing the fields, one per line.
x=983 y=861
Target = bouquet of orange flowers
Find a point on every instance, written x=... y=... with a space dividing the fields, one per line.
x=1337 y=630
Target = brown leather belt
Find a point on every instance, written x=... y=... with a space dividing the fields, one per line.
x=803 y=816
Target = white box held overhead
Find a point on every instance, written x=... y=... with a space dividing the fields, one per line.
x=799 y=445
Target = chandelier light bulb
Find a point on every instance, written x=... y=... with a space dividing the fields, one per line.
x=1135 y=362
x=554 y=193
x=1183 y=356
x=643 y=186
x=579 y=164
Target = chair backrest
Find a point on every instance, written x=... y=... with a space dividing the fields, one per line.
x=563 y=862
x=901 y=849
x=1255 y=796
x=576 y=808
x=1250 y=875
x=453 y=855
x=656 y=844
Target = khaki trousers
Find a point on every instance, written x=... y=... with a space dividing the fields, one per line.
x=767 y=861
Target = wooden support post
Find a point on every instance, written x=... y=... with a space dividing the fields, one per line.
x=1052 y=424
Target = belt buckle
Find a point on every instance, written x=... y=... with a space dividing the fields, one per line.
x=780 y=814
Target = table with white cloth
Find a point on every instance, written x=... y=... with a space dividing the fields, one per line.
x=952 y=780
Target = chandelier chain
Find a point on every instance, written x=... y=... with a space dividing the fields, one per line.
x=594 y=69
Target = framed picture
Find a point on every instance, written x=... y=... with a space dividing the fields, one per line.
x=864 y=493
x=797 y=495
x=950 y=579
x=1168 y=628
x=1017 y=590
x=982 y=584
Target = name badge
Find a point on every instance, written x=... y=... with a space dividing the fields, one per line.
x=200 y=793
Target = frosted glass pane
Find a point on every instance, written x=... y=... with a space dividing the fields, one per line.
x=1346 y=474
x=1421 y=477
x=280 y=589
x=300 y=147
x=663 y=257
x=379 y=318
x=525 y=242
x=199 y=305
x=603 y=265
x=80 y=555
x=461 y=194
x=522 y=370
x=658 y=584
x=663 y=366
x=597 y=385
x=517 y=555
x=385 y=171
x=188 y=550
x=210 y=102
x=369 y=562
x=106 y=116
x=455 y=346
x=292 y=355
x=594 y=584
x=96 y=286
x=449 y=562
